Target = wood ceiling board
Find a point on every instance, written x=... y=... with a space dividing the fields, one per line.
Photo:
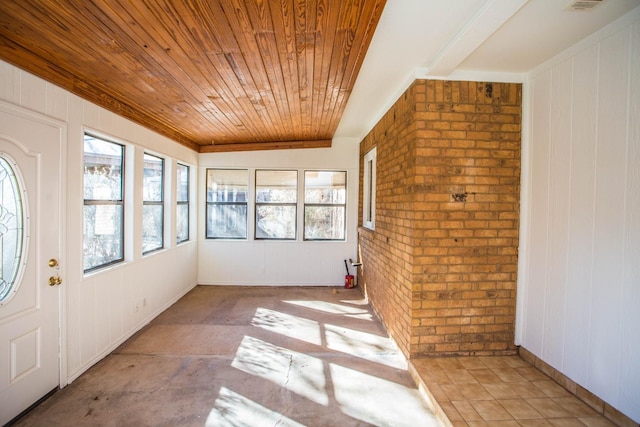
x=223 y=71
x=267 y=145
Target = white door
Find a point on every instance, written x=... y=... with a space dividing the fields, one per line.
x=30 y=149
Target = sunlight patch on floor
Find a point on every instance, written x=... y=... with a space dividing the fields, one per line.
x=378 y=401
x=296 y=372
x=288 y=325
x=328 y=307
x=233 y=410
x=364 y=345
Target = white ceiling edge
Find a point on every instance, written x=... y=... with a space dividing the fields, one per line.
x=465 y=32
x=423 y=74
x=473 y=76
x=393 y=65
x=489 y=18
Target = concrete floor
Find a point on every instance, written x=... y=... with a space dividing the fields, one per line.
x=229 y=356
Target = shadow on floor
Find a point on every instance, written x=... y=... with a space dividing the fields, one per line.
x=249 y=356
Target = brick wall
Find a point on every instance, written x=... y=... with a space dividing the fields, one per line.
x=440 y=267
x=388 y=250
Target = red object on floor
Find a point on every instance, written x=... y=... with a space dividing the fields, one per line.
x=348 y=281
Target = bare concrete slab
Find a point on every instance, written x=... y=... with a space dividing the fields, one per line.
x=250 y=356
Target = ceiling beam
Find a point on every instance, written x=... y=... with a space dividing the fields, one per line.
x=269 y=145
x=490 y=17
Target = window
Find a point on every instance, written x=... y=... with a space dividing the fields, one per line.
x=276 y=204
x=182 y=203
x=103 y=203
x=227 y=203
x=369 y=190
x=152 y=204
x=12 y=231
x=325 y=196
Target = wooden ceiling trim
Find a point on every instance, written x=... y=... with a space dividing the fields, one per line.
x=267 y=145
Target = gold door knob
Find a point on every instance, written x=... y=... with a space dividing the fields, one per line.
x=54 y=280
x=53 y=262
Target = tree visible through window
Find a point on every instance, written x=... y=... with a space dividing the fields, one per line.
x=182 y=203
x=153 y=204
x=276 y=204
x=103 y=202
x=325 y=195
x=227 y=203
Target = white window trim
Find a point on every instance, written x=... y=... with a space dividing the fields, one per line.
x=369 y=190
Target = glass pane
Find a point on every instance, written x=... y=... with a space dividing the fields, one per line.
x=182 y=223
x=324 y=222
x=276 y=186
x=325 y=187
x=152 y=181
x=11 y=228
x=227 y=185
x=152 y=235
x=102 y=235
x=227 y=221
x=182 y=183
x=102 y=169
x=275 y=222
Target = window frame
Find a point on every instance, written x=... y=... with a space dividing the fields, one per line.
x=258 y=204
x=343 y=205
x=106 y=202
x=186 y=202
x=160 y=203
x=369 y=189
x=233 y=203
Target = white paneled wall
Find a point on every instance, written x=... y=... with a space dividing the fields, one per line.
x=579 y=281
x=104 y=308
x=281 y=263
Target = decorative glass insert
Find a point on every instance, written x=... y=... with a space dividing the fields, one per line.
x=182 y=203
x=12 y=233
x=325 y=195
x=103 y=203
x=152 y=204
x=276 y=204
x=227 y=191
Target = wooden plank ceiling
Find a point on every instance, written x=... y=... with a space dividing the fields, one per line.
x=214 y=75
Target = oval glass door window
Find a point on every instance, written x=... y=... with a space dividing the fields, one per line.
x=12 y=233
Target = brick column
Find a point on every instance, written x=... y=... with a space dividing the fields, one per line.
x=443 y=256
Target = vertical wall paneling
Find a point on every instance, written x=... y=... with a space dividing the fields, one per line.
x=271 y=262
x=630 y=315
x=104 y=308
x=540 y=140
x=580 y=245
x=582 y=281
x=559 y=183
x=609 y=214
x=525 y=210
